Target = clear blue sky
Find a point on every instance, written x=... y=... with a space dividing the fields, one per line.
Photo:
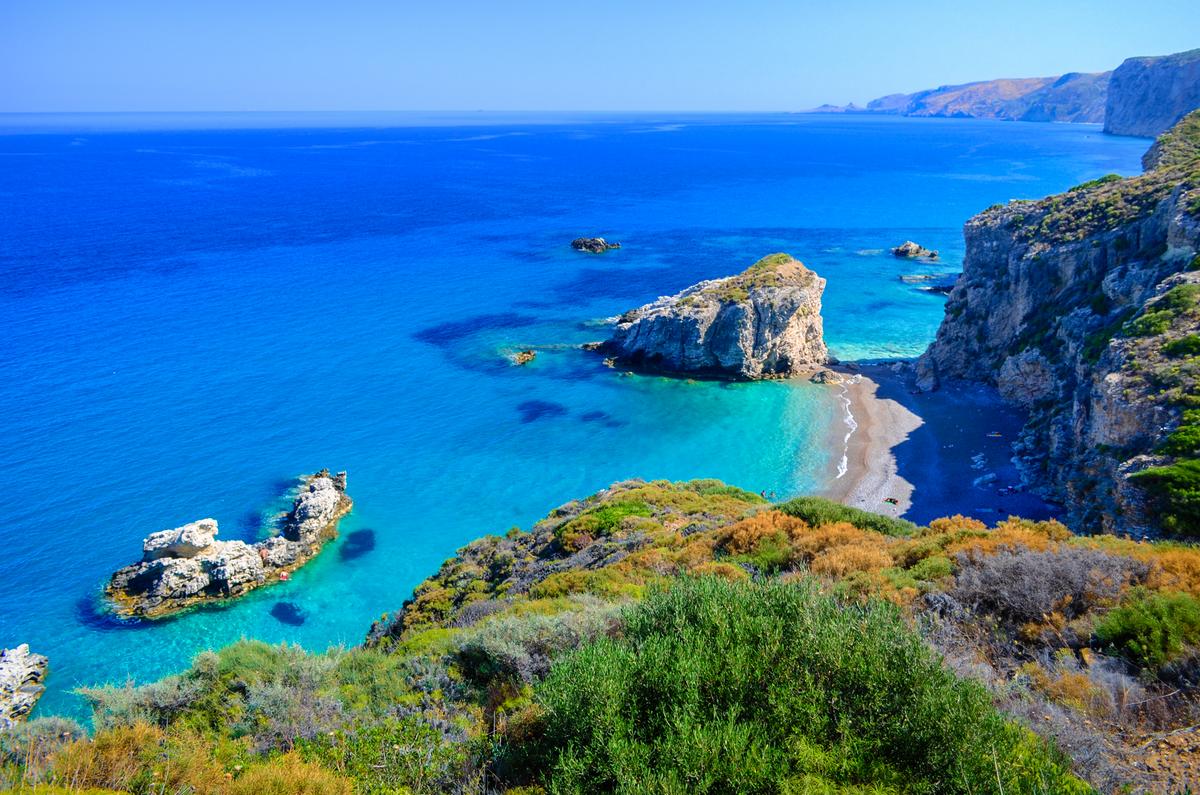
x=165 y=55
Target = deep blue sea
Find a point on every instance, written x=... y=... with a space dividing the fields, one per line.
x=194 y=310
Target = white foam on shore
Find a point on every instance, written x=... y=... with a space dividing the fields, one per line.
x=851 y=425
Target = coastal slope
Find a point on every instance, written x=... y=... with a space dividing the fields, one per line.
x=1083 y=308
x=1147 y=96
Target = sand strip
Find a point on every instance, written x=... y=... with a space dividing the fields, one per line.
x=871 y=426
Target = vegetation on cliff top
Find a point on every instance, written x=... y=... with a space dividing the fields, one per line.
x=773 y=270
x=691 y=637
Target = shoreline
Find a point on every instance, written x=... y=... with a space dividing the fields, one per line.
x=935 y=454
x=868 y=474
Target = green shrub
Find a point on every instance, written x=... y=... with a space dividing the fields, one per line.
x=1179 y=299
x=818 y=511
x=765 y=688
x=1107 y=178
x=1177 y=489
x=1184 y=346
x=398 y=756
x=1149 y=324
x=1185 y=439
x=1151 y=628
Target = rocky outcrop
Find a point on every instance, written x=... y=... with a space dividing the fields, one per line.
x=21 y=675
x=187 y=566
x=762 y=323
x=910 y=250
x=1147 y=96
x=524 y=357
x=1073 y=97
x=593 y=245
x=1078 y=308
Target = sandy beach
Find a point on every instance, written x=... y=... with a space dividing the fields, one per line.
x=868 y=475
x=915 y=448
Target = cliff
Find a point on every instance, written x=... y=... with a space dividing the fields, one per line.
x=188 y=566
x=764 y=322
x=1073 y=97
x=1082 y=307
x=1147 y=96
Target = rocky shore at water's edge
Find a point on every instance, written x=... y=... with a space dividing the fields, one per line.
x=186 y=566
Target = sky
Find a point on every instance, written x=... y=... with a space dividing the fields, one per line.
x=537 y=55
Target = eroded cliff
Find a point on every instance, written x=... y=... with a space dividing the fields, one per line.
x=1084 y=308
x=762 y=323
x=1149 y=95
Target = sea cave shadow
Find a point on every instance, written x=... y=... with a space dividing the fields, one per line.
x=959 y=422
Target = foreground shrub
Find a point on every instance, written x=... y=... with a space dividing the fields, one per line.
x=1023 y=587
x=756 y=688
x=290 y=775
x=1150 y=629
x=818 y=511
x=397 y=756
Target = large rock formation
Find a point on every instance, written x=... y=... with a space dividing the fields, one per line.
x=21 y=675
x=186 y=566
x=1073 y=97
x=1147 y=96
x=1083 y=308
x=765 y=322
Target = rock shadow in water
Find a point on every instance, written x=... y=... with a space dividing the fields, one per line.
x=445 y=335
x=289 y=613
x=533 y=410
x=91 y=613
x=357 y=544
x=601 y=417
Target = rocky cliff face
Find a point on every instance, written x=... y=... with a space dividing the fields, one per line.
x=1083 y=307
x=1073 y=97
x=1147 y=96
x=21 y=675
x=765 y=322
x=187 y=565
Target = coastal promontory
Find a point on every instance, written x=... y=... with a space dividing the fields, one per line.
x=187 y=566
x=1146 y=96
x=1084 y=308
x=21 y=675
x=764 y=322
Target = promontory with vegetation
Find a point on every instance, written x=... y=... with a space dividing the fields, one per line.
x=764 y=322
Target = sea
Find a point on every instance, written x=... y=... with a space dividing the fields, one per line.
x=196 y=309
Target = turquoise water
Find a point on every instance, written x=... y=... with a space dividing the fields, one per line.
x=192 y=317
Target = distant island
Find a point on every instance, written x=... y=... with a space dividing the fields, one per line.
x=1120 y=99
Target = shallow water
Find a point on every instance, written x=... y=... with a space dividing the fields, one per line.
x=190 y=319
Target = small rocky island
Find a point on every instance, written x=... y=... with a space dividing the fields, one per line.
x=187 y=566
x=593 y=245
x=21 y=675
x=762 y=323
x=910 y=250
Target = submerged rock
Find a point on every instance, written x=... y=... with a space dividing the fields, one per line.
x=762 y=323
x=21 y=675
x=593 y=245
x=909 y=249
x=187 y=566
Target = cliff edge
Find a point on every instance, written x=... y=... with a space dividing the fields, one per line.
x=1084 y=308
x=765 y=322
x=1147 y=96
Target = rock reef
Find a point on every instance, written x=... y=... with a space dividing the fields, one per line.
x=21 y=675
x=762 y=323
x=1084 y=309
x=593 y=245
x=188 y=566
x=1147 y=96
x=910 y=250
